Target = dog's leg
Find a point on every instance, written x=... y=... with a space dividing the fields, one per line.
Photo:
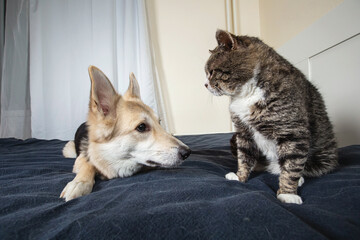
x=83 y=181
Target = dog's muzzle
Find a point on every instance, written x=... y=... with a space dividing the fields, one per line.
x=184 y=152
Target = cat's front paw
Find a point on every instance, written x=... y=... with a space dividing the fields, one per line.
x=75 y=189
x=232 y=176
x=236 y=177
x=290 y=198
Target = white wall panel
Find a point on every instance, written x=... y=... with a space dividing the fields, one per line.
x=328 y=53
x=336 y=72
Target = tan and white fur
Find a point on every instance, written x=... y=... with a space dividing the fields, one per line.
x=124 y=135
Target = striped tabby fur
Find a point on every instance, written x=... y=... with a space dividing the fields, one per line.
x=280 y=117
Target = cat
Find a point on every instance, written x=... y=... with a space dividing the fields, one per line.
x=279 y=116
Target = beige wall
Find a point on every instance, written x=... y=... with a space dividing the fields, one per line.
x=281 y=20
x=183 y=31
x=246 y=17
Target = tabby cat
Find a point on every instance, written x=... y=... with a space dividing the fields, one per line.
x=279 y=116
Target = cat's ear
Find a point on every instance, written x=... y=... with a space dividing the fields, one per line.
x=103 y=94
x=226 y=40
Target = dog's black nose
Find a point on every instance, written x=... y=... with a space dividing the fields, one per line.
x=184 y=152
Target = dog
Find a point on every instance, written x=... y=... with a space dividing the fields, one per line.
x=120 y=137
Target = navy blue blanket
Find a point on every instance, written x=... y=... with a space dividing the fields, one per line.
x=193 y=201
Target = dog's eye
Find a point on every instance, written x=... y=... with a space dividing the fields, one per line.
x=141 y=127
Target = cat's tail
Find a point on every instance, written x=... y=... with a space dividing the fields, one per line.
x=321 y=163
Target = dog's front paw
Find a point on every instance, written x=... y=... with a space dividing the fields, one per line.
x=75 y=189
x=290 y=198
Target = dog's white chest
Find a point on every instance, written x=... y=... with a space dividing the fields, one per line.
x=111 y=158
x=241 y=107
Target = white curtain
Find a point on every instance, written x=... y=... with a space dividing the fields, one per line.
x=15 y=100
x=66 y=37
x=2 y=37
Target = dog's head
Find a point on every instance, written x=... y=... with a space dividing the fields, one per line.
x=124 y=128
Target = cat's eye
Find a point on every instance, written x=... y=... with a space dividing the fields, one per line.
x=141 y=127
x=225 y=77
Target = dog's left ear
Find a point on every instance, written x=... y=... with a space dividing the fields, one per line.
x=134 y=90
x=103 y=94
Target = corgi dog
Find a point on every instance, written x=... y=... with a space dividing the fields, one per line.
x=120 y=137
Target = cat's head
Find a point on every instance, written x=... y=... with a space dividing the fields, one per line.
x=232 y=63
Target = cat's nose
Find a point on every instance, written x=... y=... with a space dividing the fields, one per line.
x=206 y=85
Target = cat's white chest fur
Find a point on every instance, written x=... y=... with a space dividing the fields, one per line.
x=240 y=106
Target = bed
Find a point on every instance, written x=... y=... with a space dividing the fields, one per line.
x=193 y=201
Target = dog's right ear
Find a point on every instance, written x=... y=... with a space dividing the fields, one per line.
x=103 y=94
x=133 y=90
